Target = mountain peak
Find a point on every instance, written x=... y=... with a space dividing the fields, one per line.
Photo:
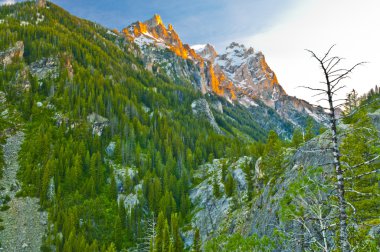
x=206 y=51
x=240 y=49
x=235 y=45
x=154 y=21
x=154 y=32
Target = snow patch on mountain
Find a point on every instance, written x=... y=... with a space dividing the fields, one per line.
x=198 y=48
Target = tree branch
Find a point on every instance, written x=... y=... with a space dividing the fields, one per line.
x=361 y=164
x=348 y=71
x=363 y=174
x=361 y=193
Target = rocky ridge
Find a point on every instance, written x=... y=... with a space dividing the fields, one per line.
x=239 y=74
x=213 y=215
x=189 y=65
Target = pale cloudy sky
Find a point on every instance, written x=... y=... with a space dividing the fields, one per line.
x=281 y=29
x=317 y=24
x=7 y=2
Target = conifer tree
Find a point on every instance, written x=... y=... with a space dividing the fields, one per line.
x=176 y=236
x=215 y=186
x=197 y=241
x=229 y=185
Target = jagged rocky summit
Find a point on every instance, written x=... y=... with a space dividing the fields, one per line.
x=239 y=74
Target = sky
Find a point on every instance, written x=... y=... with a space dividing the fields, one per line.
x=281 y=29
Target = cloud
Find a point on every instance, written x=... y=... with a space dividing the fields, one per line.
x=7 y=2
x=316 y=25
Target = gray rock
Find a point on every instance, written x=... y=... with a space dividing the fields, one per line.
x=375 y=232
x=23 y=222
x=45 y=67
x=111 y=149
x=218 y=106
x=213 y=214
x=375 y=116
x=51 y=189
x=17 y=51
x=3 y=98
x=98 y=123
x=201 y=109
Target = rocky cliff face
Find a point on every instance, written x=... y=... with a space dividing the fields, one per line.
x=201 y=109
x=253 y=80
x=216 y=213
x=153 y=31
x=162 y=47
x=235 y=214
x=9 y=55
x=250 y=74
x=239 y=74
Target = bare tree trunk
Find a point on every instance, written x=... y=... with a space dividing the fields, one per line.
x=333 y=76
x=345 y=245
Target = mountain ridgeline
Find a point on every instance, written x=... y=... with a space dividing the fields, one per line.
x=132 y=140
x=240 y=75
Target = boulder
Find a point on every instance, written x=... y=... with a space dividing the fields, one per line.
x=45 y=67
x=98 y=123
x=17 y=51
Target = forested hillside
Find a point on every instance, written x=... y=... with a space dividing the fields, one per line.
x=117 y=156
x=63 y=159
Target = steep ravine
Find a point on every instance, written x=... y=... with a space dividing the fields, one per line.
x=23 y=222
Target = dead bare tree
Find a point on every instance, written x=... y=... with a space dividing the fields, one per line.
x=148 y=242
x=333 y=77
x=306 y=205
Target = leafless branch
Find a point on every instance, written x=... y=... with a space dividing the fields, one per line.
x=327 y=53
x=337 y=89
x=348 y=71
x=322 y=93
x=362 y=194
x=313 y=89
x=361 y=164
x=338 y=60
x=363 y=174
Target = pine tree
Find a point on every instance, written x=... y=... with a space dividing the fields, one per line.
x=197 y=243
x=122 y=214
x=229 y=185
x=272 y=156
x=352 y=102
x=162 y=239
x=297 y=138
x=118 y=233
x=177 y=240
x=215 y=186
x=309 y=131
x=113 y=187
